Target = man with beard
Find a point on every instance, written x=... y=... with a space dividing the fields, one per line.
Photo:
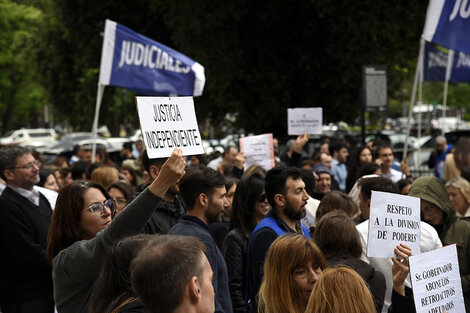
x=168 y=211
x=25 y=215
x=287 y=196
x=203 y=192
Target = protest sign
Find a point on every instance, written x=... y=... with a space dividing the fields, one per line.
x=393 y=219
x=168 y=123
x=435 y=277
x=259 y=150
x=304 y=120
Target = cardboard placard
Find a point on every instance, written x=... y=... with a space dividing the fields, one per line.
x=304 y=120
x=436 y=282
x=259 y=150
x=168 y=123
x=393 y=219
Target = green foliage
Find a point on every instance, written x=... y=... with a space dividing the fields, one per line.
x=458 y=95
x=21 y=99
x=260 y=57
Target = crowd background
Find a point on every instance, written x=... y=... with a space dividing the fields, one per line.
x=268 y=235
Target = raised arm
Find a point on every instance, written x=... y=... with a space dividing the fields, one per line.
x=400 y=268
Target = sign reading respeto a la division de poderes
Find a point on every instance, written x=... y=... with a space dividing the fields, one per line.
x=393 y=219
x=168 y=123
x=436 y=281
x=304 y=120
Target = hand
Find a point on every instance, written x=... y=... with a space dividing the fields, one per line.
x=379 y=162
x=171 y=171
x=400 y=268
x=240 y=160
x=300 y=142
x=404 y=167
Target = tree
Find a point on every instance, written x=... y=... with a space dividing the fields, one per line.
x=21 y=98
x=260 y=57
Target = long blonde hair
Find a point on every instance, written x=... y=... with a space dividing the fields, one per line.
x=279 y=293
x=340 y=290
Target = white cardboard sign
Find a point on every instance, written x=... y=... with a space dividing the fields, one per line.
x=168 y=123
x=304 y=120
x=393 y=219
x=436 y=282
x=259 y=150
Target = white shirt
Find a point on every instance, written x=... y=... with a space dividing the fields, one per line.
x=31 y=195
x=429 y=240
x=214 y=163
x=467 y=213
x=50 y=195
x=394 y=175
x=355 y=190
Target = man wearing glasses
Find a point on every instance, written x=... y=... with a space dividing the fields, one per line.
x=25 y=215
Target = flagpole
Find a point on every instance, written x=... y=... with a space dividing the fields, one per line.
x=419 y=65
x=94 y=131
x=450 y=61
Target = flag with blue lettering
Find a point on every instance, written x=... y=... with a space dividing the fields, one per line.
x=435 y=62
x=448 y=24
x=133 y=61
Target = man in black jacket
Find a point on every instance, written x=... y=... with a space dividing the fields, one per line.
x=203 y=192
x=170 y=210
x=25 y=215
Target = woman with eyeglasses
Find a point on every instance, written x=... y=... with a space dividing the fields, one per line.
x=249 y=207
x=81 y=232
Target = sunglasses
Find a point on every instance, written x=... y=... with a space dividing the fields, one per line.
x=262 y=198
x=98 y=209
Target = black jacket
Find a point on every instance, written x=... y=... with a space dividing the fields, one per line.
x=166 y=215
x=25 y=273
x=219 y=230
x=234 y=252
x=402 y=304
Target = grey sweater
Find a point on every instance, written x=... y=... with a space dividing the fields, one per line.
x=76 y=268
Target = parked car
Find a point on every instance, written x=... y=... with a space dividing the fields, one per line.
x=29 y=137
x=64 y=147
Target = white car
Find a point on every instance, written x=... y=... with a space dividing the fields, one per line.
x=29 y=137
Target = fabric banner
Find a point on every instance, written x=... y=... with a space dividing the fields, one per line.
x=133 y=61
x=448 y=24
x=435 y=62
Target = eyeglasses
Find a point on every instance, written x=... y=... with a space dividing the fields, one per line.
x=262 y=198
x=29 y=166
x=96 y=208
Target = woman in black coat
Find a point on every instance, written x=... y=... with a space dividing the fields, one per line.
x=337 y=236
x=249 y=207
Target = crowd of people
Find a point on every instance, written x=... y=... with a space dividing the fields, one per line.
x=181 y=234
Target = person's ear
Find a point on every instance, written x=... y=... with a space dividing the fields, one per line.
x=203 y=200
x=194 y=289
x=279 y=200
x=9 y=175
x=154 y=171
